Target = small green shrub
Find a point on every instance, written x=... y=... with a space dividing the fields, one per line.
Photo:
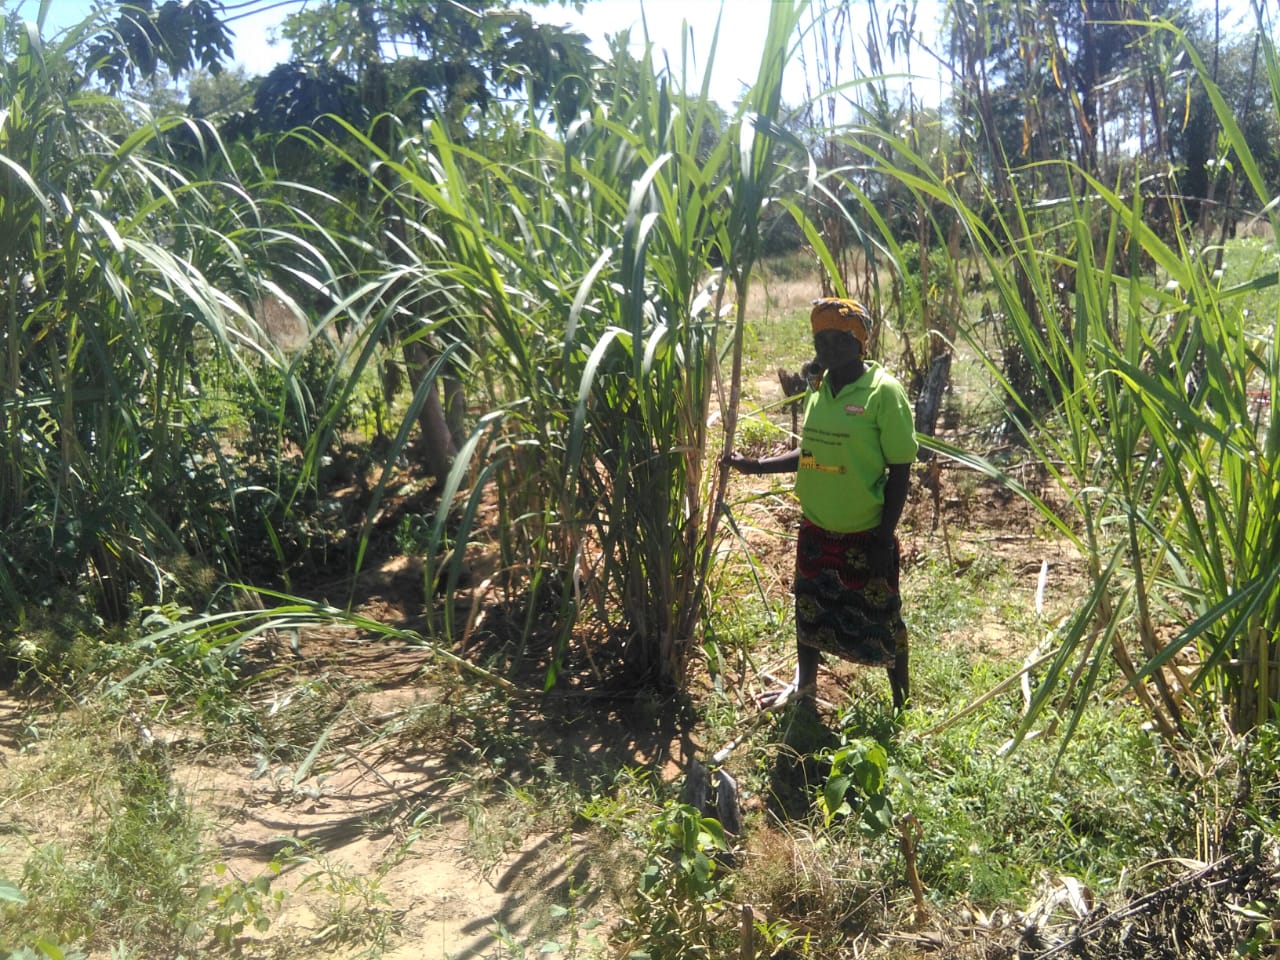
x=53 y=645
x=681 y=886
x=351 y=905
x=233 y=906
x=941 y=269
x=855 y=785
x=759 y=433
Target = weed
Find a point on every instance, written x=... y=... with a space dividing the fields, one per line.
x=617 y=809
x=759 y=433
x=198 y=670
x=228 y=907
x=856 y=784
x=575 y=926
x=566 y=931
x=992 y=823
x=493 y=827
x=424 y=723
x=298 y=717
x=789 y=875
x=940 y=601
x=135 y=878
x=136 y=875
x=407 y=833
x=681 y=886
x=53 y=645
x=351 y=906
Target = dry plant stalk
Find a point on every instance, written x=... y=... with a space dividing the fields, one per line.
x=909 y=834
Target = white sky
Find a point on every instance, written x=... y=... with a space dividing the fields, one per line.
x=742 y=26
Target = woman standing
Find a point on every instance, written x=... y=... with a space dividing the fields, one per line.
x=853 y=469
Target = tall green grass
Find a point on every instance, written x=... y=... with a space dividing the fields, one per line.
x=1137 y=395
x=132 y=259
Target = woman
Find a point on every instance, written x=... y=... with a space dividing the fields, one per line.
x=853 y=469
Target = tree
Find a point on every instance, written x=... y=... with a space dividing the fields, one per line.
x=1036 y=81
x=219 y=94
x=458 y=56
x=1048 y=95
x=1205 y=173
x=178 y=35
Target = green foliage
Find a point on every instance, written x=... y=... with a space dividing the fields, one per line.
x=235 y=906
x=352 y=907
x=576 y=286
x=280 y=406
x=179 y=35
x=588 y=289
x=136 y=876
x=855 y=785
x=196 y=666
x=994 y=824
x=288 y=431
x=685 y=842
x=464 y=56
x=53 y=646
x=681 y=887
x=118 y=303
x=938 y=267
x=218 y=95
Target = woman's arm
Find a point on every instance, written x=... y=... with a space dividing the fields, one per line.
x=783 y=463
x=895 y=498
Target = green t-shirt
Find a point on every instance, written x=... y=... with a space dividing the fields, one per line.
x=845 y=446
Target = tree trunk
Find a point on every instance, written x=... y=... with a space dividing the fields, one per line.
x=435 y=444
x=455 y=409
x=929 y=403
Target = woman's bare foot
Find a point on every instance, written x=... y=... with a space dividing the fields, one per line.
x=788 y=694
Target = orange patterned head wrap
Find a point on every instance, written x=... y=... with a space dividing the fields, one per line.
x=831 y=313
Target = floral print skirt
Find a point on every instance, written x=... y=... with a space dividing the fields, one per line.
x=847 y=601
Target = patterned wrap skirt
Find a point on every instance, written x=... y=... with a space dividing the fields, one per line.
x=841 y=609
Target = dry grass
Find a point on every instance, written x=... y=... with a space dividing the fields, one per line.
x=774 y=298
x=281 y=325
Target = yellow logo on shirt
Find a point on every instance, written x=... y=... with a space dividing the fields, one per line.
x=809 y=462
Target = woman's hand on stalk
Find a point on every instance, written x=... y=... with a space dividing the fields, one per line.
x=741 y=463
x=783 y=463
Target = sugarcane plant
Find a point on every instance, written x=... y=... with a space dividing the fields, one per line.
x=130 y=273
x=589 y=284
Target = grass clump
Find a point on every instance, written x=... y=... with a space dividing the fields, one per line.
x=134 y=873
x=994 y=825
